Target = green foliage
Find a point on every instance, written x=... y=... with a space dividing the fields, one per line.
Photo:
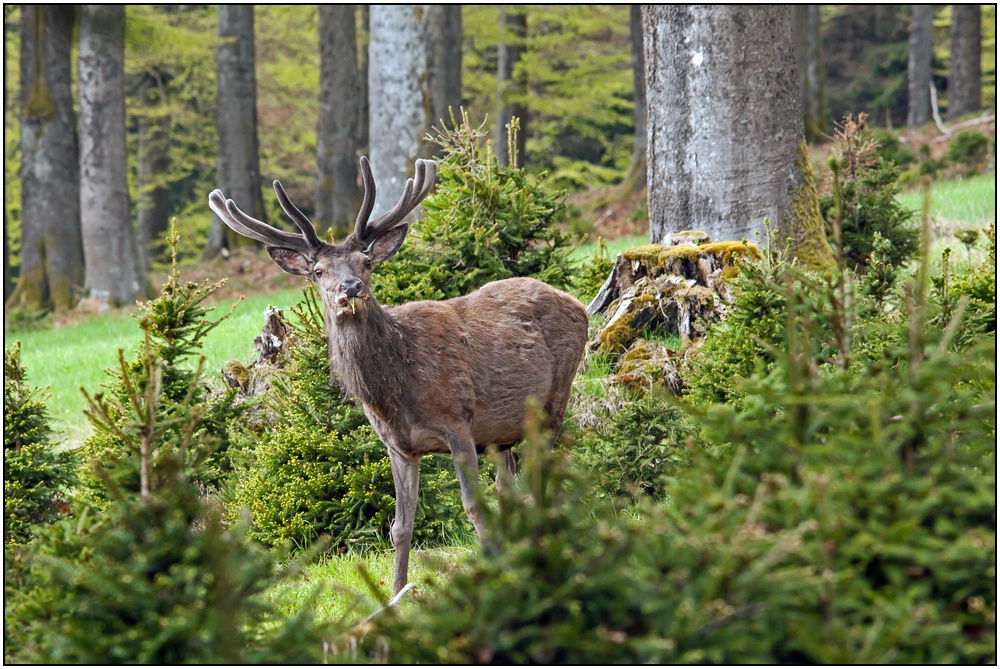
x=483 y=222
x=313 y=466
x=866 y=202
x=969 y=149
x=35 y=476
x=891 y=150
x=976 y=291
x=174 y=325
x=593 y=272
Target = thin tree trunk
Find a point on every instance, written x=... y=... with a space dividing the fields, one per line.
x=51 y=244
x=443 y=37
x=816 y=99
x=398 y=98
x=238 y=167
x=965 y=81
x=365 y=115
x=635 y=177
x=512 y=86
x=337 y=147
x=919 y=69
x=113 y=277
x=8 y=283
x=726 y=139
x=153 y=205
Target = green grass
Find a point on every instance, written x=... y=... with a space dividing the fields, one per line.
x=74 y=356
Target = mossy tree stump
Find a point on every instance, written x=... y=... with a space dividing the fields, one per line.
x=674 y=289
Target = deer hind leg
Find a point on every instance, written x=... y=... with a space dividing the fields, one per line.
x=506 y=468
x=406 y=478
x=463 y=452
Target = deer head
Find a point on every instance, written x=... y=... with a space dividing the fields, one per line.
x=341 y=271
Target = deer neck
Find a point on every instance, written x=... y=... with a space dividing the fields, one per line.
x=369 y=353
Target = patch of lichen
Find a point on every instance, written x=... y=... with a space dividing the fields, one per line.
x=806 y=228
x=616 y=337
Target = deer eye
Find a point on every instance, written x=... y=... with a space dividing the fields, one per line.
x=368 y=263
x=317 y=272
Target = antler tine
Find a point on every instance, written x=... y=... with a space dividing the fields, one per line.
x=251 y=227
x=368 y=203
x=304 y=224
x=413 y=193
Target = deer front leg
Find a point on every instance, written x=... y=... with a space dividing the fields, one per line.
x=406 y=478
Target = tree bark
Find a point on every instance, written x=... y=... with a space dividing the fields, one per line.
x=113 y=277
x=363 y=98
x=238 y=166
x=512 y=86
x=726 y=147
x=337 y=146
x=51 y=244
x=153 y=205
x=965 y=79
x=398 y=98
x=919 y=68
x=8 y=283
x=816 y=101
x=443 y=37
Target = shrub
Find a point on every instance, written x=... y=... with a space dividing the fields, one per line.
x=891 y=150
x=867 y=199
x=315 y=467
x=481 y=223
x=968 y=149
x=174 y=325
x=35 y=475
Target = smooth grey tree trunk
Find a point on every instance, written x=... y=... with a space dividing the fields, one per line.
x=635 y=177
x=365 y=12
x=725 y=126
x=512 y=85
x=153 y=161
x=238 y=166
x=919 y=68
x=443 y=37
x=337 y=138
x=965 y=81
x=399 y=102
x=815 y=106
x=51 y=245
x=113 y=277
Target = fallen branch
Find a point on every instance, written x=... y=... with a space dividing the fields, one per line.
x=392 y=602
x=936 y=113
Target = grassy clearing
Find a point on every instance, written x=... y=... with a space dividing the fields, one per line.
x=76 y=356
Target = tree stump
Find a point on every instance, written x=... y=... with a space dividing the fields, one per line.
x=272 y=345
x=674 y=289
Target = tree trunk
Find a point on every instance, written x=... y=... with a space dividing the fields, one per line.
x=337 y=147
x=8 y=283
x=365 y=115
x=816 y=98
x=635 y=177
x=512 y=86
x=238 y=167
x=398 y=98
x=443 y=37
x=919 y=68
x=113 y=277
x=153 y=206
x=965 y=77
x=726 y=148
x=51 y=244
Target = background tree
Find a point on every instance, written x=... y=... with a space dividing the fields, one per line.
x=443 y=37
x=51 y=244
x=152 y=163
x=635 y=178
x=965 y=84
x=512 y=84
x=238 y=167
x=726 y=146
x=808 y=54
x=397 y=94
x=113 y=276
x=919 y=70
x=337 y=137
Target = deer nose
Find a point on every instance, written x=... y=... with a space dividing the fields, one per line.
x=352 y=287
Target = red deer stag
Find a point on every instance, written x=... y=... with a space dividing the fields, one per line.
x=433 y=377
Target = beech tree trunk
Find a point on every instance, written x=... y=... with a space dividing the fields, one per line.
x=443 y=37
x=815 y=106
x=238 y=166
x=965 y=81
x=113 y=277
x=726 y=138
x=337 y=146
x=512 y=86
x=398 y=98
x=919 y=68
x=153 y=161
x=635 y=177
x=51 y=244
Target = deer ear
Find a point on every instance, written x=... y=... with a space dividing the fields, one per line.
x=387 y=244
x=291 y=261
